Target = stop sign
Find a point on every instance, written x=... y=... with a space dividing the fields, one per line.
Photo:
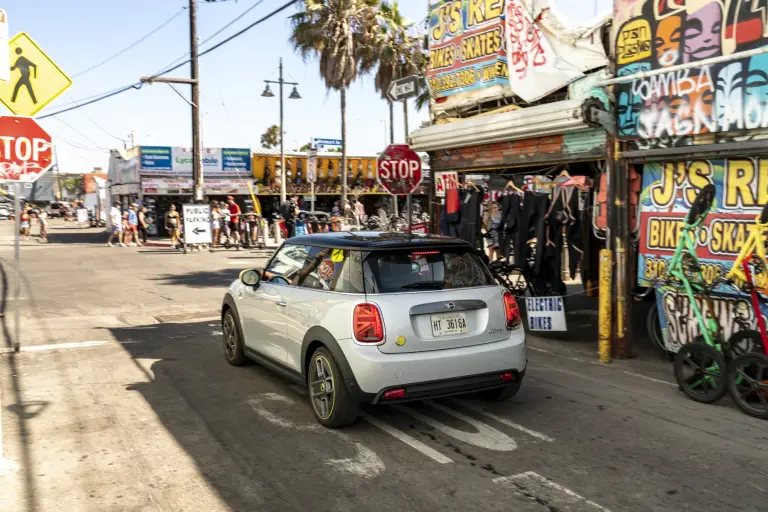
x=26 y=152
x=399 y=169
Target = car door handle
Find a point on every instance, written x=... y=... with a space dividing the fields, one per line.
x=281 y=303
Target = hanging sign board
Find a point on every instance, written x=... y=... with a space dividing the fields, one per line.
x=545 y=313
x=445 y=180
x=197 y=224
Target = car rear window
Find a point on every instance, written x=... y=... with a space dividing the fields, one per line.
x=399 y=271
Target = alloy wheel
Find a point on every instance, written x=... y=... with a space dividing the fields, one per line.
x=321 y=386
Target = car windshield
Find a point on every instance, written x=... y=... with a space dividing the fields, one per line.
x=440 y=269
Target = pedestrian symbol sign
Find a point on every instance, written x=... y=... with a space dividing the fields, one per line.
x=35 y=79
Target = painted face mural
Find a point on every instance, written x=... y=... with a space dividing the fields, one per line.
x=756 y=93
x=722 y=97
x=729 y=92
x=666 y=44
x=702 y=33
x=629 y=105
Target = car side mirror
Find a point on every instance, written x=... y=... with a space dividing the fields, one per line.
x=250 y=278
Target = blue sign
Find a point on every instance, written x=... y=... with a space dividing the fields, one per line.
x=157 y=158
x=319 y=143
x=237 y=160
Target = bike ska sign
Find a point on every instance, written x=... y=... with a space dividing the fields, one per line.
x=668 y=192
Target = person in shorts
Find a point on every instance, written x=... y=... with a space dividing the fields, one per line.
x=234 y=219
x=116 y=221
x=133 y=226
x=173 y=226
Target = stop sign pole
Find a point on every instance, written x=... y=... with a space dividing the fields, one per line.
x=399 y=172
x=26 y=153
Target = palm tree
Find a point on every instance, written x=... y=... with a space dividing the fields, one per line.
x=271 y=137
x=399 y=54
x=340 y=33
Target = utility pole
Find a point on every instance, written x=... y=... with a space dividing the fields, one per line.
x=194 y=81
x=197 y=150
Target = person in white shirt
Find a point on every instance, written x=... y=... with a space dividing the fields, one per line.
x=116 y=219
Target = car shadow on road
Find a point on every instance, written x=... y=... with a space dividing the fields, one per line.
x=203 y=403
x=201 y=279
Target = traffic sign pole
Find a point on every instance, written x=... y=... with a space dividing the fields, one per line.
x=405 y=121
x=17 y=268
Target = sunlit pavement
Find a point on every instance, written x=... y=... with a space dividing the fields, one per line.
x=138 y=410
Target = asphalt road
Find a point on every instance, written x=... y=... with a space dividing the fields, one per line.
x=157 y=420
x=121 y=400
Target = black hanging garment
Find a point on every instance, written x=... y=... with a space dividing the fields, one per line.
x=510 y=214
x=469 y=227
x=531 y=224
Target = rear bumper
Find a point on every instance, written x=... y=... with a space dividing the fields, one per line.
x=438 y=372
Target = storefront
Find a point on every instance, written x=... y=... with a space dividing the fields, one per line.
x=361 y=180
x=689 y=125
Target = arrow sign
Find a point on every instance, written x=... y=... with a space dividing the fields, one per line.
x=403 y=89
x=197 y=231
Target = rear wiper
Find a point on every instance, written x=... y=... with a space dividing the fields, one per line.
x=425 y=285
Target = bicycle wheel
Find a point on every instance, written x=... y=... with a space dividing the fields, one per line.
x=653 y=325
x=701 y=204
x=743 y=342
x=700 y=371
x=748 y=384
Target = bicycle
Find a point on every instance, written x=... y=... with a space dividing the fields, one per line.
x=705 y=356
x=748 y=373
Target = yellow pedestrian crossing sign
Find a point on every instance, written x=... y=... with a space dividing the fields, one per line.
x=35 y=79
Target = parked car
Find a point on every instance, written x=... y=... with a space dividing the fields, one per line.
x=57 y=209
x=377 y=318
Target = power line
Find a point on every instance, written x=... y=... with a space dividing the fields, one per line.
x=138 y=85
x=82 y=134
x=133 y=45
x=222 y=29
x=97 y=125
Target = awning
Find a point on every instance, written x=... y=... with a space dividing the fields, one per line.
x=555 y=118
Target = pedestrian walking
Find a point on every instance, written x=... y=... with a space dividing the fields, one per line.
x=172 y=225
x=133 y=226
x=116 y=220
x=42 y=218
x=234 y=219
x=216 y=218
x=24 y=223
x=143 y=225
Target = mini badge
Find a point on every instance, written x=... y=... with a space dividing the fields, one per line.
x=400 y=341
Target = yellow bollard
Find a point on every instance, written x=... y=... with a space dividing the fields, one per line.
x=604 y=308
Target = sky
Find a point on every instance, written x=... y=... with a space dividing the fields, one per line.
x=79 y=34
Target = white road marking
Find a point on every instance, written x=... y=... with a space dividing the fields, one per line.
x=536 y=487
x=75 y=344
x=508 y=422
x=6 y=466
x=486 y=436
x=365 y=463
x=217 y=333
x=410 y=441
x=627 y=372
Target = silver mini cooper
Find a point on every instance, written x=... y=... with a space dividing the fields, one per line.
x=377 y=318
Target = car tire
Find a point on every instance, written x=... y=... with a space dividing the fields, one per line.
x=501 y=394
x=232 y=339
x=334 y=408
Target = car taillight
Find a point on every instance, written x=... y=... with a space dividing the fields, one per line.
x=367 y=323
x=511 y=311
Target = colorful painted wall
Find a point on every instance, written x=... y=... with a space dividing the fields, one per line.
x=466 y=46
x=657 y=34
x=667 y=194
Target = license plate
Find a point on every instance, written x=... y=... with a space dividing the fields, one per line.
x=446 y=324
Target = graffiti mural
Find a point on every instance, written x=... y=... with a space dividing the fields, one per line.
x=668 y=192
x=658 y=34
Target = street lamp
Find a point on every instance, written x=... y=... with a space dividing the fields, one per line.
x=294 y=96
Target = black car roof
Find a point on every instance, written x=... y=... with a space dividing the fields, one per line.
x=376 y=240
